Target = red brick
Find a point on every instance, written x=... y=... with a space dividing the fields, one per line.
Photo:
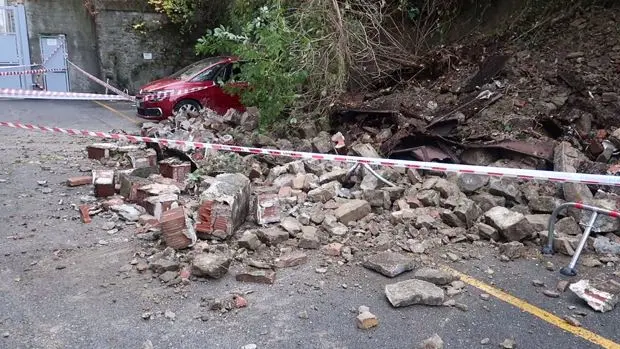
x=104 y=183
x=173 y=226
x=84 y=214
x=78 y=181
x=100 y=150
x=267 y=209
x=156 y=205
x=176 y=171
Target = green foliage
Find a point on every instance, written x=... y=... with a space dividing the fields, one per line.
x=180 y=12
x=271 y=51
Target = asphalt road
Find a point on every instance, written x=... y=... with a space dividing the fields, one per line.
x=60 y=287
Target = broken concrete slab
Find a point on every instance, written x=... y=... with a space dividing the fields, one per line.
x=273 y=236
x=309 y=238
x=389 y=264
x=600 y=296
x=506 y=188
x=352 y=210
x=513 y=250
x=325 y=192
x=410 y=292
x=511 y=225
x=544 y=203
x=291 y=225
x=291 y=259
x=210 y=265
x=435 y=276
x=567 y=226
x=487 y=232
x=469 y=183
x=249 y=240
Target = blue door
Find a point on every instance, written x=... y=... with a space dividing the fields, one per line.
x=54 y=53
x=14 y=52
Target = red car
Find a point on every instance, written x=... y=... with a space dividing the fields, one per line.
x=199 y=85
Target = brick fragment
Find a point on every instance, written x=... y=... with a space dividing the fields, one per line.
x=268 y=209
x=100 y=151
x=173 y=227
x=78 y=181
x=224 y=206
x=84 y=214
x=104 y=183
x=175 y=169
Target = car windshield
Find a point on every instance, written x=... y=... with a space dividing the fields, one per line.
x=195 y=68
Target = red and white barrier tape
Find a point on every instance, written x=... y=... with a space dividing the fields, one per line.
x=31 y=72
x=16 y=93
x=561 y=177
x=102 y=83
x=19 y=66
x=151 y=96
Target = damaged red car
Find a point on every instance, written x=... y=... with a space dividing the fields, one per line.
x=200 y=85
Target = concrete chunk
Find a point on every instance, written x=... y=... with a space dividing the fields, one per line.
x=410 y=292
x=211 y=265
x=435 y=276
x=389 y=264
x=352 y=210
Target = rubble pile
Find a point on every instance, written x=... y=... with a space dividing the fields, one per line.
x=203 y=213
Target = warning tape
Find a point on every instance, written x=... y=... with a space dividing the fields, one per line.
x=19 y=66
x=17 y=93
x=151 y=96
x=31 y=72
x=102 y=83
x=560 y=177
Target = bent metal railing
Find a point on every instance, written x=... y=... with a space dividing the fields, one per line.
x=570 y=270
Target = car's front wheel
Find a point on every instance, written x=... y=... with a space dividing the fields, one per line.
x=187 y=106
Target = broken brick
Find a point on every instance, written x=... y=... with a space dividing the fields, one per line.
x=100 y=151
x=175 y=169
x=78 y=181
x=129 y=187
x=104 y=183
x=173 y=228
x=267 y=209
x=157 y=205
x=85 y=214
x=224 y=206
x=259 y=276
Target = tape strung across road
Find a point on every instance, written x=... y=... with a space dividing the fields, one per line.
x=561 y=177
x=102 y=83
x=17 y=93
x=30 y=72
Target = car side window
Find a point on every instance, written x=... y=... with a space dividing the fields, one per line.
x=208 y=74
x=224 y=74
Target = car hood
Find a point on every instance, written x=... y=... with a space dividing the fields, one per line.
x=162 y=84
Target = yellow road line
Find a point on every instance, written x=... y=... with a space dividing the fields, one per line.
x=538 y=312
x=121 y=114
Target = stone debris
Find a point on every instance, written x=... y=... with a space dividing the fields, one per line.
x=513 y=250
x=513 y=226
x=260 y=276
x=571 y=321
x=365 y=319
x=390 y=264
x=353 y=210
x=600 y=296
x=210 y=265
x=508 y=343
x=412 y=292
x=436 y=276
x=434 y=342
x=291 y=259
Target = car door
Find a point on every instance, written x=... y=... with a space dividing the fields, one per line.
x=218 y=98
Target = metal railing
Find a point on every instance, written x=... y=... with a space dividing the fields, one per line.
x=570 y=270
